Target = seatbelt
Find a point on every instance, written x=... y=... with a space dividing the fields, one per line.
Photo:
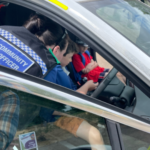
x=82 y=57
x=77 y=75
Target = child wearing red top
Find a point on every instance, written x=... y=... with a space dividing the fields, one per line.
x=89 y=68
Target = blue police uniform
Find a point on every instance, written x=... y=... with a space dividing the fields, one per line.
x=22 y=51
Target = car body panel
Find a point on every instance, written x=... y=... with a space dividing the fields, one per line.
x=105 y=34
x=53 y=93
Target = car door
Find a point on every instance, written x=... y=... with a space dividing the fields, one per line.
x=129 y=138
x=49 y=91
x=30 y=130
x=48 y=135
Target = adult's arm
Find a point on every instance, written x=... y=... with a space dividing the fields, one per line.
x=58 y=76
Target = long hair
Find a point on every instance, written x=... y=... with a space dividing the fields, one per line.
x=48 y=31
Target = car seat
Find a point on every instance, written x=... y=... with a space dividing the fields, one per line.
x=114 y=91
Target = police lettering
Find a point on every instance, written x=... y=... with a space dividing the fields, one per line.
x=8 y=62
x=13 y=55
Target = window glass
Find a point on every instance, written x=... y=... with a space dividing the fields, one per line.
x=39 y=123
x=102 y=62
x=105 y=64
x=129 y=17
x=134 y=139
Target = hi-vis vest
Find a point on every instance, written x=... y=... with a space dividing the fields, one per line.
x=22 y=51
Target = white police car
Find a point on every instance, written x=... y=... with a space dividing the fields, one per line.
x=117 y=30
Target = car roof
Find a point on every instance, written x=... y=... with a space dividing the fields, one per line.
x=119 y=47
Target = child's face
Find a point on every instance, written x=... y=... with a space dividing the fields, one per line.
x=66 y=59
x=82 y=49
x=60 y=54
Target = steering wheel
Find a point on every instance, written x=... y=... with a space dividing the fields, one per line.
x=104 y=83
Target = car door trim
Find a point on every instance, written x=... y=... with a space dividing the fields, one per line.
x=42 y=88
x=113 y=133
x=105 y=110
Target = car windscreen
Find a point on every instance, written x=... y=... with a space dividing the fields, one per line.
x=129 y=17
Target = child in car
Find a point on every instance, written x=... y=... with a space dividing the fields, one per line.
x=77 y=126
x=85 y=65
x=58 y=76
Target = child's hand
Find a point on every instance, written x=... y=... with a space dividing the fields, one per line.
x=92 y=60
x=95 y=64
x=85 y=70
x=88 y=68
x=92 y=86
x=92 y=65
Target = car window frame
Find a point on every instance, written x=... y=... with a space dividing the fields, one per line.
x=114 y=132
x=80 y=31
x=77 y=29
x=116 y=136
x=13 y=76
x=53 y=15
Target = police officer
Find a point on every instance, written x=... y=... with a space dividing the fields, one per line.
x=36 y=49
x=24 y=48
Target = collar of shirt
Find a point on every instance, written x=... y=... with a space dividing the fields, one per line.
x=50 y=50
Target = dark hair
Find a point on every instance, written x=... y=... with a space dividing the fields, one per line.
x=48 y=31
x=72 y=47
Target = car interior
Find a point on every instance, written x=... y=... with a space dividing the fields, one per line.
x=110 y=90
x=48 y=135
